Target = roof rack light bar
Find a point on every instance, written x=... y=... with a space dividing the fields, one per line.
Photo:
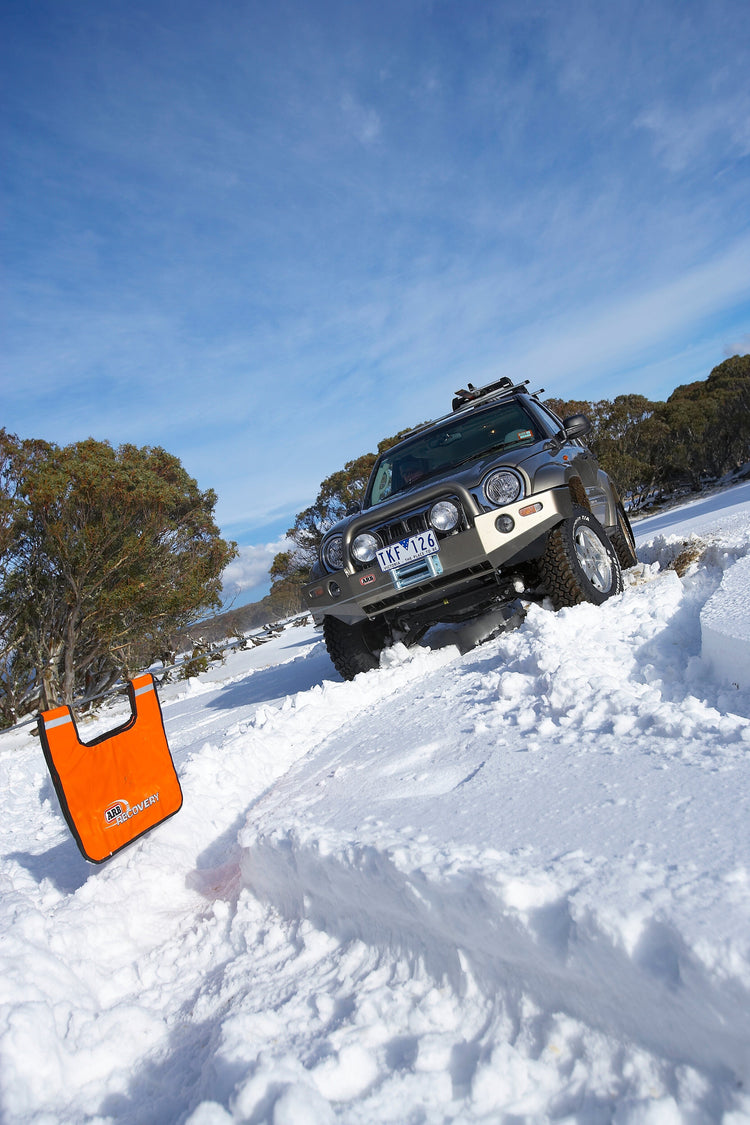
x=471 y=394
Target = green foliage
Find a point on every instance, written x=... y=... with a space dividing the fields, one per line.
x=203 y=656
x=712 y=417
x=701 y=432
x=105 y=553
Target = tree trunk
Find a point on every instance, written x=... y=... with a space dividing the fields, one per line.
x=69 y=668
x=50 y=695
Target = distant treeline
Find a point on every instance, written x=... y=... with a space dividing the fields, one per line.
x=697 y=436
x=701 y=433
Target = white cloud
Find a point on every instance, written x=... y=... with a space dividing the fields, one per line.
x=740 y=346
x=251 y=566
x=363 y=121
x=683 y=137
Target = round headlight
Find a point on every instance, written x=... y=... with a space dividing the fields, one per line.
x=333 y=553
x=444 y=515
x=364 y=547
x=503 y=487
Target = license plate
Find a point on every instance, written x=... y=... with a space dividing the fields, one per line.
x=408 y=550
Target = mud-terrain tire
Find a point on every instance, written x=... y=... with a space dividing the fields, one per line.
x=580 y=563
x=354 y=648
x=623 y=540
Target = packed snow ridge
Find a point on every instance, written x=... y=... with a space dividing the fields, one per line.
x=500 y=883
x=725 y=627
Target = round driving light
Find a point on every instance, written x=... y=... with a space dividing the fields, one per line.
x=504 y=524
x=333 y=553
x=334 y=589
x=444 y=515
x=503 y=487
x=365 y=547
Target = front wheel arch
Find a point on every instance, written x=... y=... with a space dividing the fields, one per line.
x=623 y=539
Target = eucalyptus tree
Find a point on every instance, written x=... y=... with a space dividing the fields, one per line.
x=106 y=552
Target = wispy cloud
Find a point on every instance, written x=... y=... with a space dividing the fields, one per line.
x=616 y=333
x=686 y=136
x=739 y=346
x=364 y=121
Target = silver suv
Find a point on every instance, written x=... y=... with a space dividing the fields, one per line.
x=497 y=501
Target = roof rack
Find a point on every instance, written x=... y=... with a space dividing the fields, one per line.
x=472 y=394
x=476 y=396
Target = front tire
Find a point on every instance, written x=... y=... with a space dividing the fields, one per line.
x=354 y=648
x=580 y=563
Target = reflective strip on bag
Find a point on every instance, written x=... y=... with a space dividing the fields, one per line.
x=49 y=724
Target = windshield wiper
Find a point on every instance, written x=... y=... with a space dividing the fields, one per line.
x=484 y=452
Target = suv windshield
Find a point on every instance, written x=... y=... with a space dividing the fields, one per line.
x=465 y=437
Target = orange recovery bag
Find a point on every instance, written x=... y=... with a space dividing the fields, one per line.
x=119 y=785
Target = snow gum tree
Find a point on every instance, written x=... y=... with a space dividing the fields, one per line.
x=104 y=553
x=713 y=418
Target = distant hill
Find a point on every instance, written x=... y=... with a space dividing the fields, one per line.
x=231 y=623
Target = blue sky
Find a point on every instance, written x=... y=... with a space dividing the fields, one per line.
x=266 y=235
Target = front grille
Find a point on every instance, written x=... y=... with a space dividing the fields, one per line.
x=412 y=523
x=436 y=583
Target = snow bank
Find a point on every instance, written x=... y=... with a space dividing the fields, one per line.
x=717 y=527
x=725 y=627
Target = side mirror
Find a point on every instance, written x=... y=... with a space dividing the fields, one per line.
x=354 y=508
x=576 y=425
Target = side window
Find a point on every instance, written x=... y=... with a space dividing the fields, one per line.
x=551 y=422
x=382 y=486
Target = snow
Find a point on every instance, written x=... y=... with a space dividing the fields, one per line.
x=725 y=627
x=495 y=884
